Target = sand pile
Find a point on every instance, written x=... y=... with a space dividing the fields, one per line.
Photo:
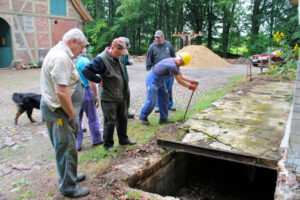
x=203 y=57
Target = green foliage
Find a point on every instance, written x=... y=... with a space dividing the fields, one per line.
x=288 y=54
x=28 y=194
x=133 y=195
x=226 y=24
x=260 y=45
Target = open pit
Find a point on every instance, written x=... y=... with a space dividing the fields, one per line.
x=186 y=176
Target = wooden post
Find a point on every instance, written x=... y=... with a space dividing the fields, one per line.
x=250 y=79
x=269 y=58
x=261 y=67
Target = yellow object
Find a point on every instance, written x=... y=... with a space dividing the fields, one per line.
x=3 y=42
x=186 y=57
x=60 y=122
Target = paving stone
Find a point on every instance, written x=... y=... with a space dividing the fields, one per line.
x=12 y=143
x=6 y=170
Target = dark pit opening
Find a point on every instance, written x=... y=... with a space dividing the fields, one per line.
x=191 y=177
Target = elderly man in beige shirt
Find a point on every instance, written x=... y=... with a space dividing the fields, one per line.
x=62 y=95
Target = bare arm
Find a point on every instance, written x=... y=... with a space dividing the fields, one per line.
x=93 y=87
x=64 y=98
x=181 y=81
x=186 y=78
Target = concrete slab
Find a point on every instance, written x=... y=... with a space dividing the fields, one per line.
x=253 y=123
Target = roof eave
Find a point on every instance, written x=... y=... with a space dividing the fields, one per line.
x=82 y=11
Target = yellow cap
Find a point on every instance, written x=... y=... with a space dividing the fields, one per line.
x=186 y=57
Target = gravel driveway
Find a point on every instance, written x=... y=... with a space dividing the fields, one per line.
x=209 y=78
x=19 y=143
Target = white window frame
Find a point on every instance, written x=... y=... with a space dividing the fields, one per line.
x=28 y=23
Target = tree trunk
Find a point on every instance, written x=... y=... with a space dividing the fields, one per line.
x=210 y=24
x=255 y=19
x=227 y=20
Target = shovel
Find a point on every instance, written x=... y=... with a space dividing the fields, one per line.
x=187 y=108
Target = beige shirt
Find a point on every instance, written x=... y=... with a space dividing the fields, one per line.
x=58 y=69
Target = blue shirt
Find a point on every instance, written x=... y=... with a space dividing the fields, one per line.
x=166 y=67
x=80 y=63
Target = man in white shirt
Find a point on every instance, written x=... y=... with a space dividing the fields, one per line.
x=62 y=95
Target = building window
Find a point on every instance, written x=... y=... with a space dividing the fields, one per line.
x=58 y=7
x=28 y=23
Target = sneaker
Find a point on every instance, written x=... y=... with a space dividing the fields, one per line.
x=144 y=121
x=156 y=110
x=78 y=148
x=172 y=109
x=166 y=121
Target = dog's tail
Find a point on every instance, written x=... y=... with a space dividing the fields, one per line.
x=18 y=98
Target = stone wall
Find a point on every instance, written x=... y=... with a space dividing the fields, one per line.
x=33 y=29
x=293 y=153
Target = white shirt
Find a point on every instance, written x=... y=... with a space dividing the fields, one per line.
x=58 y=69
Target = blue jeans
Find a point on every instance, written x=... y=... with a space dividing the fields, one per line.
x=169 y=84
x=156 y=91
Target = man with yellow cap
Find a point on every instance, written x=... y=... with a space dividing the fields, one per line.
x=156 y=88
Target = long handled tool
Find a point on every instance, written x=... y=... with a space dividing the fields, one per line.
x=187 y=108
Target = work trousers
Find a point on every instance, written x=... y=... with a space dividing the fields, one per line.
x=89 y=108
x=169 y=84
x=114 y=113
x=156 y=91
x=62 y=133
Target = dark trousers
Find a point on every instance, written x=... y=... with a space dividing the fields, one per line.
x=115 y=115
x=127 y=102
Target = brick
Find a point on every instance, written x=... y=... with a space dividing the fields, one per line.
x=28 y=7
x=297 y=84
x=295 y=126
x=296 y=100
x=19 y=40
x=296 y=108
x=296 y=115
x=4 y=4
x=30 y=39
x=41 y=8
x=73 y=13
x=33 y=53
x=297 y=162
x=20 y=21
x=297 y=169
x=297 y=92
x=42 y=24
x=291 y=167
x=295 y=138
x=17 y=4
x=59 y=28
x=294 y=146
x=43 y=40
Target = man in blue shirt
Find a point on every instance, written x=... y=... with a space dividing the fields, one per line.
x=156 y=87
